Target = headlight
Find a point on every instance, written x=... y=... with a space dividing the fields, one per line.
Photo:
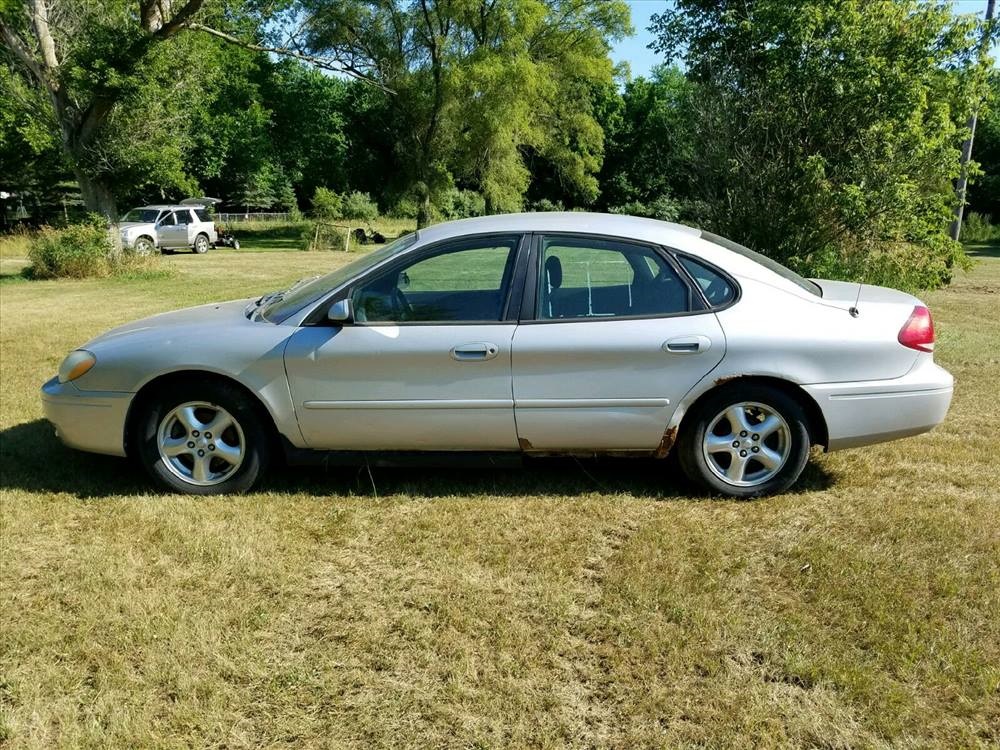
x=78 y=363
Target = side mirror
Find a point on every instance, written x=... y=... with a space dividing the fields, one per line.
x=341 y=311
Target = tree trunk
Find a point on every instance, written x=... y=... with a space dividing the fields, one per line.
x=423 y=208
x=97 y=195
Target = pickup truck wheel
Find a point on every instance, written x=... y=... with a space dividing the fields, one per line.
x=203 y=439
x=745 y=442
x=201 y=244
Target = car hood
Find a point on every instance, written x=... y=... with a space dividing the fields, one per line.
x=143 y=225
x=203 y=316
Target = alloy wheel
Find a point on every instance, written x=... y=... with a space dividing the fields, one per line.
x=747 y=444
x=201 y=443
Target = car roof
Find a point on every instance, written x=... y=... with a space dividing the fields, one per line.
x=676 y=236
x=616 y=225
x=164 y=206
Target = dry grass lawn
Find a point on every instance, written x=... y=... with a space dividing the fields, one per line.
x=565 y=605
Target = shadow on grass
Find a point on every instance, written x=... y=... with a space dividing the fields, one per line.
x=990 y=249
x=32 y=459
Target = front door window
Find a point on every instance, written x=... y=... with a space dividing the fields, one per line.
x=465 y=282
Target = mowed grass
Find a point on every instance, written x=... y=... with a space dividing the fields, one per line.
x=563 y=605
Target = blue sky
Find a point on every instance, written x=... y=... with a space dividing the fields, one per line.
x=633 y=50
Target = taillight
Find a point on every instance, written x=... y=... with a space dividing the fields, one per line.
x=918 y=332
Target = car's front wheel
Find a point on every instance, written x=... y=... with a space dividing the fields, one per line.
x=201 y=244
x=203 y=439
x=745 y=441
x=143 y=246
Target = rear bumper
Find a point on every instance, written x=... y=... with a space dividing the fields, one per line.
x=91 y=421
x=876 y=411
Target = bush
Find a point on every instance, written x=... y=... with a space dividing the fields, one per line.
x=461 y=204
x=978 y=228
x=320 y=236
x=326 y=204
x=404 y=208
x=359 y=207
x=545 y=204
x=82 y=251
x=900 y=265
x=663 y=208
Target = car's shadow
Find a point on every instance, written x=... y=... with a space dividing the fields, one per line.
x=32 y=459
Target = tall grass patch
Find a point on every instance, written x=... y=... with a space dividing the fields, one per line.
x=85 y=250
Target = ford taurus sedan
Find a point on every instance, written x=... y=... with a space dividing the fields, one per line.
x=574 y=334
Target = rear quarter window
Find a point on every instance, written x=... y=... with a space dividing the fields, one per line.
x=718 y=290
x=203 y=214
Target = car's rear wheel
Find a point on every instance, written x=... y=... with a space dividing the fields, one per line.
x=205 y=439
x=201 y=244
x=745 y=441
x=143 y=246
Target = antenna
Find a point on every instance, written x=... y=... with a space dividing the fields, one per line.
x=853 y=310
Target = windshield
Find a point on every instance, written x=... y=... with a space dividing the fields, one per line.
x=144 y=215
x=283 y=306
x=771 y=265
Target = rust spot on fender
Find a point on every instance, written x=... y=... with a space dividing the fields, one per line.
x=723 y=381
x=524 y=443
x=669 y=438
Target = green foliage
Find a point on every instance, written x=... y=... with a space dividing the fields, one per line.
x=479 y=88
x=461 y=204
x=902 y=265
x=326 y=204
x=320 y=236
x=81 y=251
x=824 y=130
x=355 y=206
x=358 y=206
x=544 y=204
x=984 y=190
x=663 y=208
x=978 y=228
x=651 y=139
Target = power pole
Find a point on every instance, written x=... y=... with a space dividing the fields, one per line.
x=963 y=179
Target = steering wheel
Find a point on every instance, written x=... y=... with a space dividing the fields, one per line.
x=400 y=307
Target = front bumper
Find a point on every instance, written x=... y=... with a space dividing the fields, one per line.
x=876 y=411
x=91 y=421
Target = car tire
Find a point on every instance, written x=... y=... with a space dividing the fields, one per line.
x=745 y=441
x=177 y=447
x=201 y=244
x=143 y=246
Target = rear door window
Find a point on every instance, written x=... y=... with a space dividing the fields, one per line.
x=583 y=278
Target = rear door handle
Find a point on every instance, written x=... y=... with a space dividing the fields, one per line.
x=687 y=344
x=476 y=352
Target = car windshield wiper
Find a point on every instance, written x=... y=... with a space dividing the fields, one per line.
x=266 y=299
x=272 y=297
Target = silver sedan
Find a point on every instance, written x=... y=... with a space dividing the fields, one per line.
x=547 y=333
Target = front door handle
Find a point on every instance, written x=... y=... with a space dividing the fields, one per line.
x=687 y=345
x=477 y=352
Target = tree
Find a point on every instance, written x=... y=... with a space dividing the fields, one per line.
x=828 y=132
x=984 y=191
x=105 y=67
x=650 y=140
x=478 y=82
